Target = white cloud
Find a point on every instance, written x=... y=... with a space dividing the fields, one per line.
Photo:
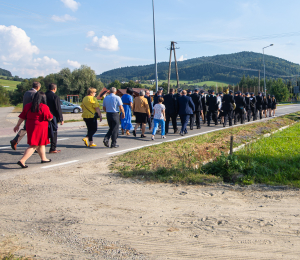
x=90 y=34
x=73 y=5
x=17 y=53
x=110 y=43
x=63 y=18
x=181 y=58
x=74 y=64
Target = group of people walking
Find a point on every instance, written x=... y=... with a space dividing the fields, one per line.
x=42 y=113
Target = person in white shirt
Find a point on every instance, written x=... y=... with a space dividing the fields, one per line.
x=159 y=111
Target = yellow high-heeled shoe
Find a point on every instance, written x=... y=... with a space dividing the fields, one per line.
x=93 y=145
x=85 y=141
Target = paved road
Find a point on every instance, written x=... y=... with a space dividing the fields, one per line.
x=74 y=152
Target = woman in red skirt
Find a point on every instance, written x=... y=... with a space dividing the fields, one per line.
x=37 y=116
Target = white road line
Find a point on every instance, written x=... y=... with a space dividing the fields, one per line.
x=59 y=164
x=188 y=136
x=5 y=147
x=63 y=139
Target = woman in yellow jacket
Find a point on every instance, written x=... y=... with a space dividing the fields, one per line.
x=90 y=108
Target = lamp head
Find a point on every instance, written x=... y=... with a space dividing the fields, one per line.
x=271 y=44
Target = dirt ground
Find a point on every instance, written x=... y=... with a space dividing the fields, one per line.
x=87 y=212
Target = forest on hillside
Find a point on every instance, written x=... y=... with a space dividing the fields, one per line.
x=225 y=68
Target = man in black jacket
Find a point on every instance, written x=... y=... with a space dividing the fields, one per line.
x=170 y=102
x=259 y=102
x=198 y=109
x=203 y=101
x=53 y=102
x=253 y=105
x=240 y=106
x=212 y=104
x=248 y=106
x=227 y=106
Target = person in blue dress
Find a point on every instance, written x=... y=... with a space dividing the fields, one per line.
x=127 y=100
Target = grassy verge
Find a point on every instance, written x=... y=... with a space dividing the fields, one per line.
x=274 y=160
x=181 y=161
x=12 y=257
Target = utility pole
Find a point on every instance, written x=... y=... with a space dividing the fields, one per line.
x=259 y=80
x=156 y=77
x=172 y=48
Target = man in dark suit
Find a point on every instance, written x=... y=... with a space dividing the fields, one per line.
x=198 y=109
x=203 y=101
x=170 y=102
x=248 y=107
x=186 y=108
x=259 y=103
x=240 y=107
x=227 y=106
x=253 y=105
x=157 y=95
x=27 y=98
x=53 y=102
x=212 y=103
x=148 y=97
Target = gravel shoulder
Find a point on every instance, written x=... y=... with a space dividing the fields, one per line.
x=88 y=212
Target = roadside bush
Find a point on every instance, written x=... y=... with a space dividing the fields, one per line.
x=4 y=97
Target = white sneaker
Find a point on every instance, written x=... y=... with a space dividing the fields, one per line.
x=152 y=137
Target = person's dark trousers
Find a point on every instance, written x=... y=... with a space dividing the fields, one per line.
x=205 y=116
x=228 y=115
x=149 y=121
x=195 y=116
x=53 y=140
x=249 y=114
x=173 y=117
x=184 y=122
x=212 y=114
x=113 y=120
x=91 y=124
x=253 y=111
x=241 y=115
x=259 y=111
x=20 y=134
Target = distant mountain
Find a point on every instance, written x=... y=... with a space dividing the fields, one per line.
x=224 y=68
x=4 y=72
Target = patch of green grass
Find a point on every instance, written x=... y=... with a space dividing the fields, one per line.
x=12 y=84
x=181 y=161
x=274 y=161
x=12 y=257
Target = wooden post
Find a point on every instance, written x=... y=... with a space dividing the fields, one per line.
x=176 y=68
x=231 y=145
x=169 y=76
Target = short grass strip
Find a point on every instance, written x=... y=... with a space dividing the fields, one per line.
x=182 y=161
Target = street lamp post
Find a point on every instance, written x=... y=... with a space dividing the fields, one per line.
x=156 y=78
x=265 y=67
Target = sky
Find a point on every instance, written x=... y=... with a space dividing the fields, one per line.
x=42 y=37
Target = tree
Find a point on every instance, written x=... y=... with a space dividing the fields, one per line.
x=115 y=84
x=279 y=90
x=82 y=79
x=4 y=96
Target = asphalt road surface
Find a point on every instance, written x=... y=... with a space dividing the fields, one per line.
x=74 y=152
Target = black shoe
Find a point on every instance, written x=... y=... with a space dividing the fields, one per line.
x=46 y=161
x=198 y=127
x=216 y=123
x=176 y=131
x=134 y=133
x=13 y=144
x=114 y=146
x=191 y=128
x=143 y=136
x=182 y=134
x=208 y=124
x=106 y=143
x=22 y=165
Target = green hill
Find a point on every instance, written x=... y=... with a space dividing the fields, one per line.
x=4 y=72
x=225 y=68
